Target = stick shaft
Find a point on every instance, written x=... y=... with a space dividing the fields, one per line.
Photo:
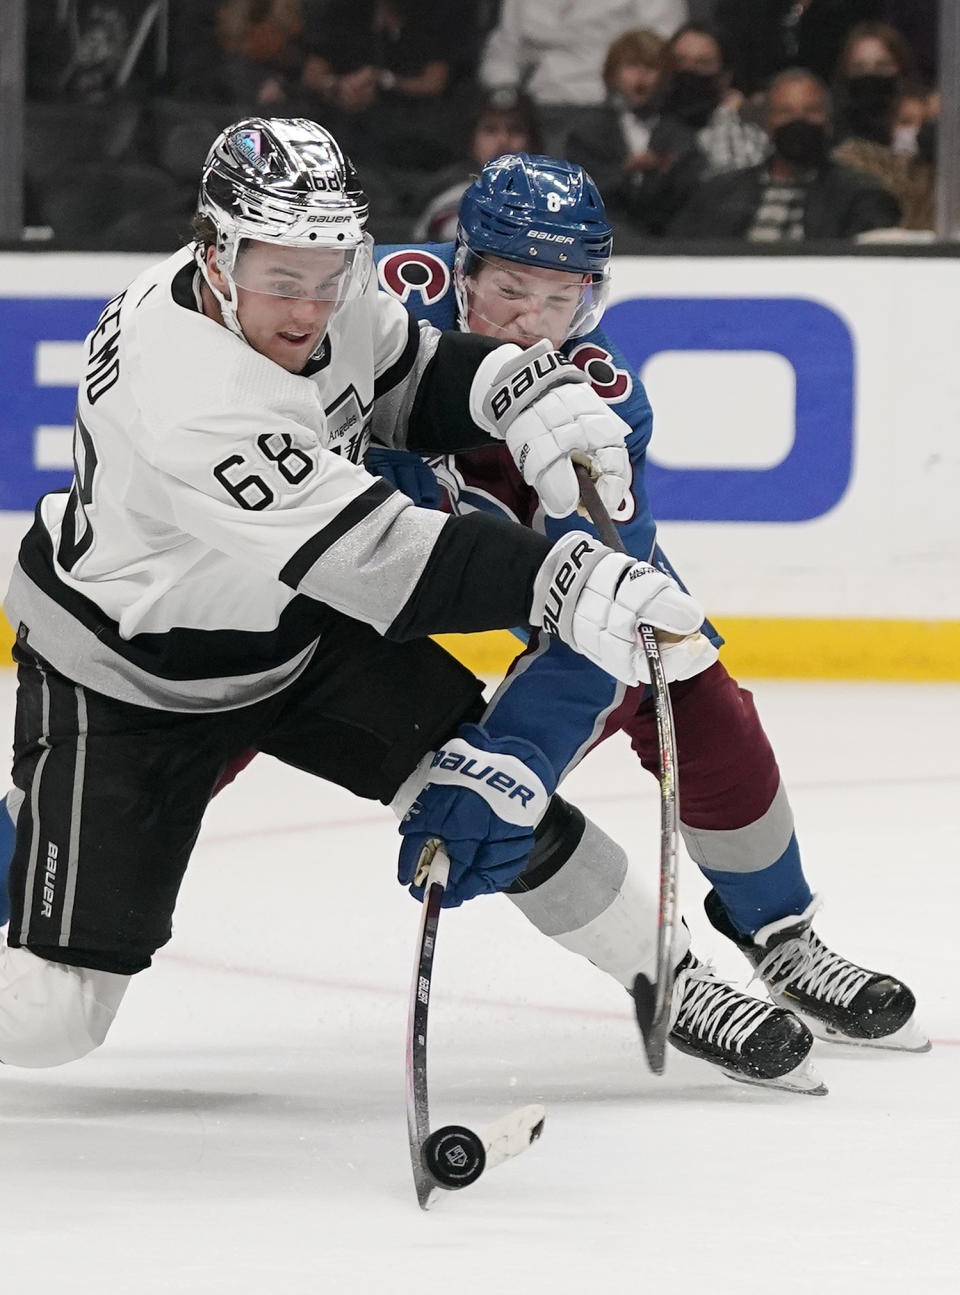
x=655 y=1033
x=418 y=1100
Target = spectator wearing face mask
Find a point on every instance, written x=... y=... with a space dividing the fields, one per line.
x=875 y=66
x=914 y=145
x=699 y=131
x=905 y=166
x=886 y=121
x=799 y=192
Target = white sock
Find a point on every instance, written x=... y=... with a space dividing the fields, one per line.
x=599 y=906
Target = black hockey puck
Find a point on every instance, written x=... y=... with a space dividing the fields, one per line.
x=454 y=1156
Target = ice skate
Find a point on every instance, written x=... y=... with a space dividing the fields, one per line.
x=839 y=1001
x=745 y=1037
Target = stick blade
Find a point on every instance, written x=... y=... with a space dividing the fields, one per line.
x=426 y=1190
x=512 y=1134
x=652 y=1030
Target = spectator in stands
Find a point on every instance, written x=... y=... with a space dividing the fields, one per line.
x=770 y=35
x=555 y=52
x=799 y=193
x=880 y=112
x=262 y=42
x=504 y=121
x=699 y=132
x=700 y=95
x=905 y=165
x=876 y=64
x=380 y=73
x=913 y=145
x=612 y=142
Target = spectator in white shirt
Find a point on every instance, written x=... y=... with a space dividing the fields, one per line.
x=554 y=50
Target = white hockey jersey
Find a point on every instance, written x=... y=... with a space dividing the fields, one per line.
x=218 y=509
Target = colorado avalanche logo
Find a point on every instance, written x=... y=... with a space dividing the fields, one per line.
x=413 y=271
x=609 y=382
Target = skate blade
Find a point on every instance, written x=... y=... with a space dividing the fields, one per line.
x=804 y=1079
x=909 y=1038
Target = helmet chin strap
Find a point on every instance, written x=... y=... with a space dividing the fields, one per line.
x=228 y=309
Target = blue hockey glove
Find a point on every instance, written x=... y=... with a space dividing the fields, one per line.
x=482 y=797
x=406 y=471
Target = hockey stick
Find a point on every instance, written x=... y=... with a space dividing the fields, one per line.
x=452 y=1156
x=651 y=1001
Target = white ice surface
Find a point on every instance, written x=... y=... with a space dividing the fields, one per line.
x=242 y=1129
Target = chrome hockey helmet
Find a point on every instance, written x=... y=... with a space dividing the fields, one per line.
x=285 y=182
x=539 y=211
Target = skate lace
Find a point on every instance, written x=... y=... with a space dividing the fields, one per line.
x=805 y=964
x=785 y=962
x=715 y=1012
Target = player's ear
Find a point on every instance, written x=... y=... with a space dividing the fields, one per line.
x=210 y=257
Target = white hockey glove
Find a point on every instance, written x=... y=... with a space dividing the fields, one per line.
x=545 y=409
x=594 y=600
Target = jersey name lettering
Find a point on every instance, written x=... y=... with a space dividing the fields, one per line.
x=103 y=369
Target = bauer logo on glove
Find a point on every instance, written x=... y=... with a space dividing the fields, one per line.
x=562 y=583
x=482 y=797
x=596 y=600
x=539 y=373
x=466 y=766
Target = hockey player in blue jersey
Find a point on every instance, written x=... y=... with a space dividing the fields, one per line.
x=531 y=260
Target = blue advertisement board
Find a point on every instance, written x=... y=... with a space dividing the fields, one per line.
x=812 y=338
x=818 y=346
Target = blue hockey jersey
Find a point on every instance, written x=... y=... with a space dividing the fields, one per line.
x=552 y=696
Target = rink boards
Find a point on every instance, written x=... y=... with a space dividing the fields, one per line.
x=805 y=466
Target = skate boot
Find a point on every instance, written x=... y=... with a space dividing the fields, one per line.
x=746 y=1038
x=841 y=1002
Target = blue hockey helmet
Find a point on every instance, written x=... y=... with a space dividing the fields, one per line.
x=539 y=211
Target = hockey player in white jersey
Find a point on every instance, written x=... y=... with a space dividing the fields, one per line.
x=223 y=575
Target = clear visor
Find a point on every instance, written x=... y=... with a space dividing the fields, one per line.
x=524 y=302
x=304 y=273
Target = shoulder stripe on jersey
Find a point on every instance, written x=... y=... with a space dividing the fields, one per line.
x=180 y=655
x=310 y=553
x=401 y=367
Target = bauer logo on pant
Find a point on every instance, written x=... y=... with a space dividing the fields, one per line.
x=49 y=880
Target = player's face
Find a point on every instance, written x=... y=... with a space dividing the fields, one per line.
x=286 y=296
x=522 y=303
